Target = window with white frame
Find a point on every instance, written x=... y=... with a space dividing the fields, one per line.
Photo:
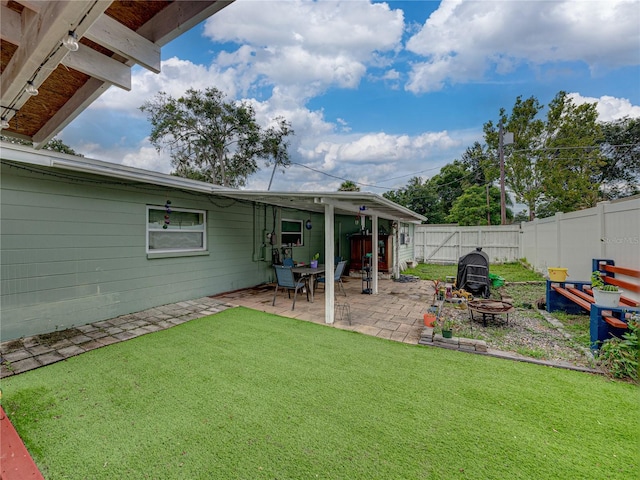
x=176 y=230
x=291 y=232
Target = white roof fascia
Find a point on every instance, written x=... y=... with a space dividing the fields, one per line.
x=345 y=201
x=47 y=158
x=379 y=200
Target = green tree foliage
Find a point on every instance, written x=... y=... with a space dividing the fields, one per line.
x=348 y=186
x=571 y=161
x=54 y=145
x=215 y=139
x=450 y=183
x=435 y=197
x=620 y=175
x=522 y=170
x=421 y=197
x=57 y=145
x=553 y=164
x=471 y=207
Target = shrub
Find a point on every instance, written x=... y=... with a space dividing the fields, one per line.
x=620 y=355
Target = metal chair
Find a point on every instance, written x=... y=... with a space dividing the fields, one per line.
x=285 y=279
x=337 y=277
x=288 y=262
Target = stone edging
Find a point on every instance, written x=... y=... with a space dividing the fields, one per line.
x=456 y=343
x=470 y=345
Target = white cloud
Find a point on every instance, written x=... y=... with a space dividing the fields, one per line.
x=176 y=77
x=609 y=108
x=463 y=40
x=306 y=46
x=289 y=52
x=148 y=158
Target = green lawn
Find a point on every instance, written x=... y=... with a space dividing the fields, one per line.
x=511 y=272
x=248 y=395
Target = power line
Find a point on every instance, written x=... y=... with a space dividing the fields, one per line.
x=364 y=184
x=471 y=173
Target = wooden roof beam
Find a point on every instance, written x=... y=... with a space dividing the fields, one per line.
x=179 y=17
x=118 y=38
x=41 y=49
x=97 y=65
x=11 y=30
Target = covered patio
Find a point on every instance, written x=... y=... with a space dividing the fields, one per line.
x=394 y=313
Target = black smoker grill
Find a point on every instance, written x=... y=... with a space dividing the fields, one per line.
x=473 y=273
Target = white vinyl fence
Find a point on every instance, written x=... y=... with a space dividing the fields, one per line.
x=447 y=243
x=569 y=240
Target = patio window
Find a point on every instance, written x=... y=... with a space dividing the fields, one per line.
x=291 y=233
x=186 y=230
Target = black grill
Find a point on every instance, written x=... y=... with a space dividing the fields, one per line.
x=473 y=273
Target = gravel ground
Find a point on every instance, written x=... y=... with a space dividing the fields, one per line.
x=530 y=333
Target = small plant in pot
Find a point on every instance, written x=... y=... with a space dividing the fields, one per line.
x=604 y=295
x=447 y=328
x=314 y=260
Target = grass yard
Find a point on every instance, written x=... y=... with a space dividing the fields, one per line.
x=249 y=395
x=511 y=272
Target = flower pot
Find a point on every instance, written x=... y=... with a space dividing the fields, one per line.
x=606 y=298
x=429 y=319
x=314 y=263
x=447 y=333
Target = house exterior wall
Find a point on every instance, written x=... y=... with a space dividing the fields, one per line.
x=74 y=249
x=406 y=250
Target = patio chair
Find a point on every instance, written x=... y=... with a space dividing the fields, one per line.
x=285 y=279
x=337 y=277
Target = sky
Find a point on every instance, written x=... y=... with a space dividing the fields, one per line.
x=378 y=92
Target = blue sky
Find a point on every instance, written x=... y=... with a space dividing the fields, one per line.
x=379 y=92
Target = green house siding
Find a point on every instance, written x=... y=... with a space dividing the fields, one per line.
x=406 y=252
x=73 y=249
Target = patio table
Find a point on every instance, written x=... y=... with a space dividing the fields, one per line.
x=307 y=271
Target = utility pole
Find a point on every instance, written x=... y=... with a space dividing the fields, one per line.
x=488 y=207
x=505 y=138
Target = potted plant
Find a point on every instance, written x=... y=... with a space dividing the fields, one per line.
x=447 y=328
x=314 y=260
x=603 y=294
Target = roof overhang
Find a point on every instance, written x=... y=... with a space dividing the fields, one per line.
x=344 y=203
x=112 y=37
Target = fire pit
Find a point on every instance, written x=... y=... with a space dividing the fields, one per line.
x=489 y=308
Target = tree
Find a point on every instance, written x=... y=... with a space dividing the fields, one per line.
x=348 y=186
x=434 y=197
x=471 y=207
x=522 y=170
x=211 y=138
x=620 y=174
x=54 y=145
x=57 y=145
x=571 y=159
x=421 y=197
x=450 y=183
x=553 y=164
